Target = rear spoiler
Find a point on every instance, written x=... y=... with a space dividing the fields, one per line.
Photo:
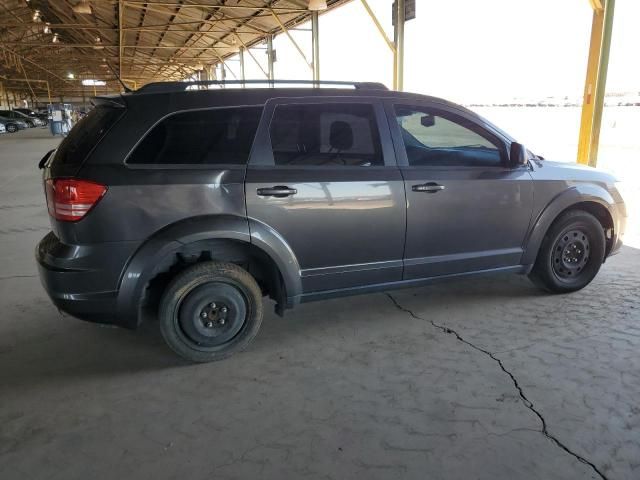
x=111 y=101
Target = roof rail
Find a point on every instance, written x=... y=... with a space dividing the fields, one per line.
x=166 y=87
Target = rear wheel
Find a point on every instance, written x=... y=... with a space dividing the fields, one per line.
x=571 y=253
x=210 y=311
x=11 y=128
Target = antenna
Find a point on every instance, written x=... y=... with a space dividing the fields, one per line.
x=126 y=89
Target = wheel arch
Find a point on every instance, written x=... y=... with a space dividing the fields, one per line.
x=590 y=198
x=221 y=237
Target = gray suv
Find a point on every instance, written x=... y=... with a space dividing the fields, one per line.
x=194 y=203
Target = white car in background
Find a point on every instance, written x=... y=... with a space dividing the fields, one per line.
x=2 y=128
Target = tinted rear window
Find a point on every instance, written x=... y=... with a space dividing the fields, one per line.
x=200 y=137
x=86 y=134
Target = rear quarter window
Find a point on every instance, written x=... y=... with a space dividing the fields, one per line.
x=86 y=134
x=221 y=136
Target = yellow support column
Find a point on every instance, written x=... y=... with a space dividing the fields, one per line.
x=595 y=83
x=586 y=120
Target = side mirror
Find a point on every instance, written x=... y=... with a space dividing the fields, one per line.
x=517 y=155
x=427 y=120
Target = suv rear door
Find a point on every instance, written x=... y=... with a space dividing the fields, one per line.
x=467 y=209
x=322 y=174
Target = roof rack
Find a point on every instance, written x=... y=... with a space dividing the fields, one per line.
x=166 y=87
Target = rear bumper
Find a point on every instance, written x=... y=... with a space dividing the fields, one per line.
x=82 y=280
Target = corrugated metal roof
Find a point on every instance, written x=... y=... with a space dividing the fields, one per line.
x=143 y=41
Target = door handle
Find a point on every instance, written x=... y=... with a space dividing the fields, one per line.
x=279 y=191
x=430 y=187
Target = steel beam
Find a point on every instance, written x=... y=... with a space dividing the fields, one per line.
x=270 y=75
x=120 y=35
x=295 y=44
x=266 y=74
x=595 y=82
x=242 y=74
x=398 y=57
x=391 y=44
x=315 y=46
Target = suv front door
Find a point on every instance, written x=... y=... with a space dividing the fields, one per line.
x=467 y=209
x=323 y=176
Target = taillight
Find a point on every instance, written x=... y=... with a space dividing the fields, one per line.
x=70 y=199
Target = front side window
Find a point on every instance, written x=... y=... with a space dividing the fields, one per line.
x=441 y=139
x=339 y=134
x=200 y=137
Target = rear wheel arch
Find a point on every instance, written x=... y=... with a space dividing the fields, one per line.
x=224 y=238
x=244 y=254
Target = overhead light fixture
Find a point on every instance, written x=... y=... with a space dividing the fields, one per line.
x=98 y=44
x=71 y=76
x=89 y=82
x=83 y=7
x=55 y=38
x=317 y=5
x=47 y=27
x=36 y=16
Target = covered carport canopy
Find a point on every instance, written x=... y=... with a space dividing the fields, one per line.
x=139 y=41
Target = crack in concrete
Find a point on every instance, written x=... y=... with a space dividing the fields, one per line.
x=523 y=397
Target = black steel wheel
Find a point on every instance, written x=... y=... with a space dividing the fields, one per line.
x=210 y=311
x=571 y=253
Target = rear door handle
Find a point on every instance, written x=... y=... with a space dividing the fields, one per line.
x=279 y=191
x=430 y=187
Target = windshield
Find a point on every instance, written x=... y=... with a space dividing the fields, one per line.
x=86 y=134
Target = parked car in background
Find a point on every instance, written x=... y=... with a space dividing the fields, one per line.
x=44 y=117
x=195 y=204
x=2 y=128
x=13 y=114
x=13 y=124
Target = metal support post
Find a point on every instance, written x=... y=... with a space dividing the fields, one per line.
x=315 y=44
x=398 y=57
x=270 y=74
x=595 y=82
x=242 y=74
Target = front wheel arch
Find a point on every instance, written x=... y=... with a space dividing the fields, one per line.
x=589 y=198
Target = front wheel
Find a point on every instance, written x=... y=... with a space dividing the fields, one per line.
x=210 y=311
x=571 y=254
x=11 y=128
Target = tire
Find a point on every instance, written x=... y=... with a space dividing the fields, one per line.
x=571 y=253
x=30 y=124
x=210 y=311
x=11 y=128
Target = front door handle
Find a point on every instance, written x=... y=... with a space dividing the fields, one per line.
x=279 y=191
x=430 y=187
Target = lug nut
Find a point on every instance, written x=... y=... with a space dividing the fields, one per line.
x=203 y=314
x=223 y=309
x=212 y=305
x=209 y=324
x=222 y=321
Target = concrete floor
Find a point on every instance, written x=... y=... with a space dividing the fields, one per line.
x=376 y=386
